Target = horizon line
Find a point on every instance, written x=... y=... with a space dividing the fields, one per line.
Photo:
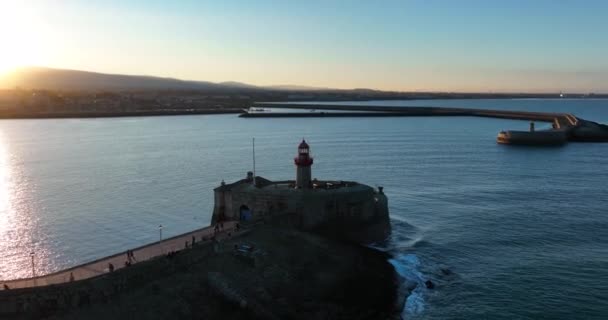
x=304 y=88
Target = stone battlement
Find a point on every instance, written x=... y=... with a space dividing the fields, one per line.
x=306 y=204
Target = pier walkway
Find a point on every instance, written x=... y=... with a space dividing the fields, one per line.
x=562 y=120
x=100 y=266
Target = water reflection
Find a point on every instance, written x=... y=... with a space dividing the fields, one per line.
x=7 y=215
x=6 y=210
x=17 y=223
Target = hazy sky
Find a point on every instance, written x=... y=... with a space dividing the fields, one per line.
x=506 y=45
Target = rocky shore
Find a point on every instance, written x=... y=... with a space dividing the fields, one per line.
x=267 y=272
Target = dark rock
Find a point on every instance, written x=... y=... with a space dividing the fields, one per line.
x=446 y=271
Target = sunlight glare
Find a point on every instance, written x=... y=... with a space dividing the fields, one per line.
x=20 y=37
x=6 y=212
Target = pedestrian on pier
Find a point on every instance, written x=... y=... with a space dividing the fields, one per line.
x=186 y=246
x=71 y=277
x=216 y=229
x=193 y=240
x=111 y=267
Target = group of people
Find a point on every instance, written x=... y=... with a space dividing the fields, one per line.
x=130 y=257
x=130 y=260
x=219 y=227
x=191 y=244
x=171 y=254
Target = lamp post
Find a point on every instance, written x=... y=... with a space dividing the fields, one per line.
x=33 y=265
x=160 y=238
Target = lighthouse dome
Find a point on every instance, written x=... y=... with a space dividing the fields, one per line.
x=303 y=144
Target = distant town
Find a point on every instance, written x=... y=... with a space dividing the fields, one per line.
x=53 y=93
x=21 y=103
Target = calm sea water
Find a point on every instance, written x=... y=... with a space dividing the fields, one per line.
x=523 y=231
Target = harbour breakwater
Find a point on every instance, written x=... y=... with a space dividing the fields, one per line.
x=100 y=266
x=262 y=271
x=565 y=127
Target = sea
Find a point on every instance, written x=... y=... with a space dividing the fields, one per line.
x=504 y=232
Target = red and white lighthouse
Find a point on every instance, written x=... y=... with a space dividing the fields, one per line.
x=303 y=163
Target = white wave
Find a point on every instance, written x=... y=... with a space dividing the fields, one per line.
x=414 y=305
x=407 y=266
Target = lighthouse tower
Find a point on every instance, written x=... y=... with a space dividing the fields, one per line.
x=303 y=162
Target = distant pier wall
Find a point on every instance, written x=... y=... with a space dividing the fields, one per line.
x=566 y=127
x=384 y=111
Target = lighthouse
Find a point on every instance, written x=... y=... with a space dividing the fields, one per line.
x=346 y=209
x=303 y=162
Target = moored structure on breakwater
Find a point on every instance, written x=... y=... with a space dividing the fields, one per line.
x=565 y=127
x=345 y=209
x=543 y=137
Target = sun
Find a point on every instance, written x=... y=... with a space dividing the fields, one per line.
x=21 y=36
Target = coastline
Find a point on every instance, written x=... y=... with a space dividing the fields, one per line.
x=112 y=114
x=286 y=274
x=237 y=107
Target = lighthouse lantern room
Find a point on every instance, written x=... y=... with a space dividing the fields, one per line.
x=303 y=163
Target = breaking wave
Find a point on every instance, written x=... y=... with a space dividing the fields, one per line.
x=408 y=268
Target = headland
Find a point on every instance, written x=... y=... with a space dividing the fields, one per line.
x=261 y=272
x=275 y=250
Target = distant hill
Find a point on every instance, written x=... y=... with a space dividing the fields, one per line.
x=292 y=87
x=234 y=84
x=61 y=79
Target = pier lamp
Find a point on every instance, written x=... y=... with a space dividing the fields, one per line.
x=160 y=232
x=33 y=266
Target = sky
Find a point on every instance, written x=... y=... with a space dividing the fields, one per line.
x=427 y=45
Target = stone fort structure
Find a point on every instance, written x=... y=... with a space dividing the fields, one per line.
x=345 y=209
